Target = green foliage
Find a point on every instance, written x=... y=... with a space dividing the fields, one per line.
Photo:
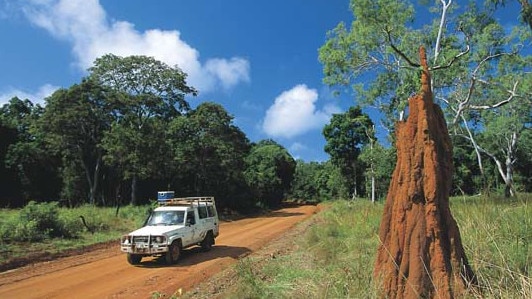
x=148 y=93
x=209 y=151
x=269 y=172
x=41 y=228
x=496 y=233
x=75 y=120
x=365 y=46
x=317 y=182
x=24 y=153
x=346 y=134
x=525 y=13
x=381 y=162
x=476 y=65
x=36 y=222
x=334 y=257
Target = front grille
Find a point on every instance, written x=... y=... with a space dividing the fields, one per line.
x=140 y=239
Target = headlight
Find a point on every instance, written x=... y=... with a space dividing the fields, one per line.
x=159 y=239
x=126 y=239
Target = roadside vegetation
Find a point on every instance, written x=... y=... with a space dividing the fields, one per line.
x=334 y=258
x=43 y=229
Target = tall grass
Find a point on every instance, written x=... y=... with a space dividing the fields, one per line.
x=334 y=257
x=39 y=228
x=497 y=236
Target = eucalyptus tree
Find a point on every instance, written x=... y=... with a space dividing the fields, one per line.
x=476 y=63
x=209 y=152
x=380 y=161
x=501 y=138
x=345 y=135
x=526 y=9
x=149 y=94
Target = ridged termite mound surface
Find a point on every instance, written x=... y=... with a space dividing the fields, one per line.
x=420 y=253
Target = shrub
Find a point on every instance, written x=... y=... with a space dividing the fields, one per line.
x=37 y=222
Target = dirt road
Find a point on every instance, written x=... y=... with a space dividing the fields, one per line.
x=105 y=273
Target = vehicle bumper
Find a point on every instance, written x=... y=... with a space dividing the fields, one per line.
x=145 y=249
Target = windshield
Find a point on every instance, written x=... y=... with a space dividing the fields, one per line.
x=166 y=218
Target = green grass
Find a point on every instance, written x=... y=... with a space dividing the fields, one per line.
x=104 y=224
x=497 y=236
x=334 y=258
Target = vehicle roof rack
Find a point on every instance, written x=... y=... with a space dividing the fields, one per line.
x=187 y=201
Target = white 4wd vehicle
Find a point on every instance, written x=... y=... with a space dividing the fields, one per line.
x=176 y=224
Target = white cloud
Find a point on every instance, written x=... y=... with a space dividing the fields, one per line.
x=297 y=147
x=85 y=25
x=229 y=72
x=36 y=97
x=294 y=113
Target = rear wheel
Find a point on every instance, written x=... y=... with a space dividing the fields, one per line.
x=207 y=242
x=173 y=253
x=134 y=259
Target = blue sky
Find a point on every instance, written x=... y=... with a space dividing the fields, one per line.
x=259 y=59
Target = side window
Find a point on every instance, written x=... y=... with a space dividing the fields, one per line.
x=212 y=211
x=202 y=211
x=190 y=218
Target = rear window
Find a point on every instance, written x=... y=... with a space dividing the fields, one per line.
x=212 y=211
x=206 y=211
x=202 y=211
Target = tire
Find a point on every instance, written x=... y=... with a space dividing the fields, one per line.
x=207 y=243
x=173 y=253
x=134 y=259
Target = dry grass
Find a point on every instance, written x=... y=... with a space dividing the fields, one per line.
x=334 y=256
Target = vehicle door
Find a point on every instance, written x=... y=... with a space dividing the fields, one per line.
x=207 y=221
x=191 y=228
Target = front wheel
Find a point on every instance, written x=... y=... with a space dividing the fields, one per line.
x=207 y=242
x=134 y=259
x=173 y=253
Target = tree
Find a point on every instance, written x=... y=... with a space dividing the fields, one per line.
x=473 y=59
x=331 y=183
x=75 y=121
x=381 y=162
x=526 y=10
x=524 y=166
x=305 y=187
x=345 y=135
x=317 y=182
x=209 y=154
x=26 y=154
x=269 y=172
x=150 y=92
x=503 y=128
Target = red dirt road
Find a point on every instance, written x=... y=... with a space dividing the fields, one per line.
x=105 y=273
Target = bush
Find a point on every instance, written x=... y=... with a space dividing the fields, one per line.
x=38 y=221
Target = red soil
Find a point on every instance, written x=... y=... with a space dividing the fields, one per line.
x=421 y=254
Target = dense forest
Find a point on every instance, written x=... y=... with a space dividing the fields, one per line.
x=127 y=130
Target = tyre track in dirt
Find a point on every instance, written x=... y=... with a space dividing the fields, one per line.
x=105 y=273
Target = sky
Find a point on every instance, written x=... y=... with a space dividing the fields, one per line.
x=258 y=59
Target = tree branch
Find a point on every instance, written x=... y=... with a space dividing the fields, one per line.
x=456 y=57
x=440 y=30
x=399 y=52
x=499 y=104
